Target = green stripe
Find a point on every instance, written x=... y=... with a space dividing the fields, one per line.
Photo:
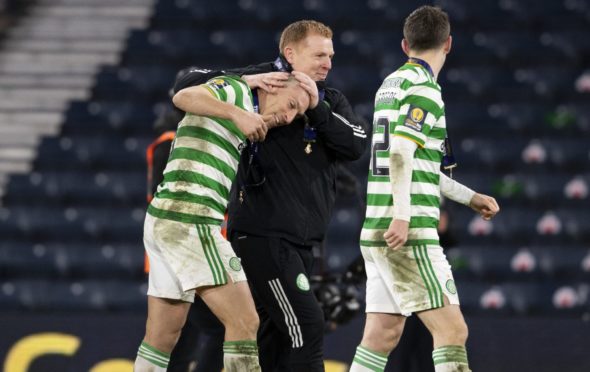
x=438 y=133
x=377 y=358
x=377 y=223
x=209 y=136
x=450 y=354
x=216 y=258
x=428 y=154
x=205 y=158
x=440 y=291
x=426 y=177
x=382 y=200
x=152 y=360
x=422 y=274
x=154 y=350
x=230 y=126
x=425 y=200
x=425 y=103
x=367 y=364
x=415 y=222
x=238 y=92
x=197 y=178
x=381 y=243
x=153 y=355
x=428 y=274
x=437 y=290
x=422 y=242
x=192 y=198
x=182 y=217
x=204 y=244
x=423 y=222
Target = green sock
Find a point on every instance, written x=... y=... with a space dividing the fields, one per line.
x=366 y=360
x=450 y=358
x=150 y=359
x=240 y=356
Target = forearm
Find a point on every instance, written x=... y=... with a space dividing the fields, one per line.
x=455 y=191
x=199 y=101
x=400 y=175
x=342 y=131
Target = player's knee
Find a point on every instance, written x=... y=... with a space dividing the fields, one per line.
x=459 y=333
x=245 y=324
x=162 y=339
x=382 y=339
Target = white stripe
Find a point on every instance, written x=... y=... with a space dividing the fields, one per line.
x=379 y=188
x=426 y=92
x=187 y=208
x=207 y=147
x=290 y=318
x=425 y=188
x=356 y=129
x=391 y=115
x=426 y=166
x=417 y=233
x=212 y=126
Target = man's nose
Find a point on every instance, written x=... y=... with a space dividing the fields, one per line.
x=328 y=64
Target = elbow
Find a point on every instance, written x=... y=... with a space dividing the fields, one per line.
x=181 y=99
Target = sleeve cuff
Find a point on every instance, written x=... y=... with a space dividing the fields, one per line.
x=319 y=114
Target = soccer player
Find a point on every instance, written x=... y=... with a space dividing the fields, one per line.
x=182 y=228
x=407 y=271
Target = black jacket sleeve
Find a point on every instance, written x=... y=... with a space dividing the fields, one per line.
x=343 y=133
x=197 y=75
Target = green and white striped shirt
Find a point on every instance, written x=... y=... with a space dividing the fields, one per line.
x=408 y=104
x=203 y=161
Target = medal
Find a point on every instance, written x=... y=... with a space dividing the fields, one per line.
x=309 y=136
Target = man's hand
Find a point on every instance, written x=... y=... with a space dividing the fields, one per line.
x=397 y=234
x=485 y=205
x=269 y=82
x=310 y=87
x=252 y=125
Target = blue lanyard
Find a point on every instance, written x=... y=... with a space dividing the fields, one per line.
x=423 y=63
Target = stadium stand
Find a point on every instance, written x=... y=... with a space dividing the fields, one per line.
x=80 y=94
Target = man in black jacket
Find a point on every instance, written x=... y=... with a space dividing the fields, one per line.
x=283 y=198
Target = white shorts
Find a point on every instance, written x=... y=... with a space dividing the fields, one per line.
x=408 y=280
x=184 y=257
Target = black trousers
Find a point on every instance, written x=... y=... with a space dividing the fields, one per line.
x=290 y=337
x=200 y=343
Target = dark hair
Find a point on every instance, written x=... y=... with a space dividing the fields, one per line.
x=427 y=27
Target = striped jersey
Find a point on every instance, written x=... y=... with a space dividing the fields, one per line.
x=203 y=161
x=408 y=104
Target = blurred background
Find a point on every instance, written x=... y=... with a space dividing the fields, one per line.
x=82 y=83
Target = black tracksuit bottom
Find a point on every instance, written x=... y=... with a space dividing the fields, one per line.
x=290 y=337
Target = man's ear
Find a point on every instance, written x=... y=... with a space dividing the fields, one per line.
x=288 y=53
x=448 y=44
x=406 y=47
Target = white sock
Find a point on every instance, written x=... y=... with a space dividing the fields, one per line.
x=366 y=360
x=450 y=358
x=150 y=359
x=240 y=356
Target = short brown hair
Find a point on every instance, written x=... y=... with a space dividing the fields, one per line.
x=427 y=27
x=299 y=30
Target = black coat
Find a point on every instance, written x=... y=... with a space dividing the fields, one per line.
x=295 y=200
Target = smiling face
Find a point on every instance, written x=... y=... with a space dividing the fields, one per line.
x=287 y=102
x=312 y=55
